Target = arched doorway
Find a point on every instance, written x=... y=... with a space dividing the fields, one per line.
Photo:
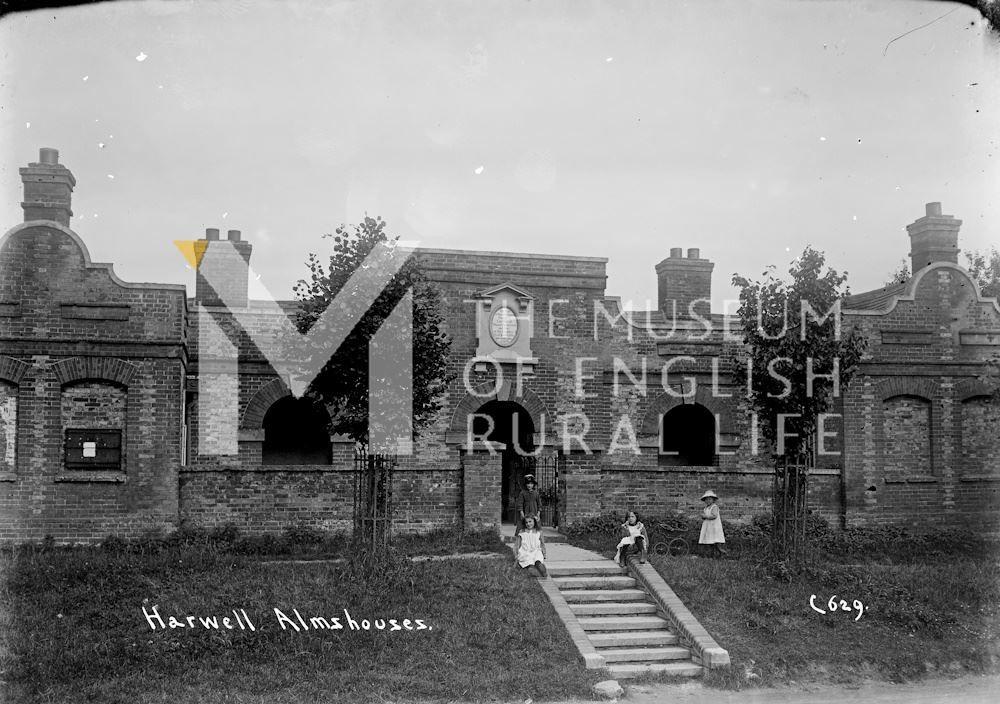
x=512 y=425
x=687 y=436
x=295 y=432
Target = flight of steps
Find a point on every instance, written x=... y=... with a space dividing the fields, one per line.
x=620 y=620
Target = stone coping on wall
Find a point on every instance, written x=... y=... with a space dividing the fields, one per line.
x=825 y=472
x=84 y=476
x=704 y=650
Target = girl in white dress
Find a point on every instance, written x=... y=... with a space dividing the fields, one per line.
x=634 y=539
x=711 y=524
x=530 y=546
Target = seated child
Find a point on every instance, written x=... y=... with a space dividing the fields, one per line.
x=530 y=548
x=634 y=539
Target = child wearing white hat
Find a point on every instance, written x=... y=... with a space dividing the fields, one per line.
x=711 y=524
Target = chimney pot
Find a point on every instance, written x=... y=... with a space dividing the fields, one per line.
x=233 y=235
x=694 y=253
x=48 y=155
x=933 y=208
x=211 y=233
x=676 y=252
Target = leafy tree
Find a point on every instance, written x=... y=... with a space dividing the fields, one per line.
x=342 y=384
x=985 y=270
x=901 y=275
x=793 y=331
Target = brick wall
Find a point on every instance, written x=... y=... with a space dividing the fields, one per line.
x=88 y=350
x=8 y=427
x=922 y=445
x=481 y=487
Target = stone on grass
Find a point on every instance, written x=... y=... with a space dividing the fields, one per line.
x=609 y=689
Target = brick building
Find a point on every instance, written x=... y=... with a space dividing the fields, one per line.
x=119 y=401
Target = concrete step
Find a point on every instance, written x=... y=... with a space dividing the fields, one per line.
x=622 y=623
x=681 y=669
x=631 y=639
x=599 y=582
x=637 y=655
x=573 y=596
x=584 y=568
x=608 y=608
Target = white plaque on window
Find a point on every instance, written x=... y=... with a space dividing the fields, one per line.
x=90 y=449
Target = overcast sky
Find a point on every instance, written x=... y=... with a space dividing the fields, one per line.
x=614 y=129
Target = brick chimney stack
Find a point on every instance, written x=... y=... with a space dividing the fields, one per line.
x=933 y=238
x=48 y=188
x=226 y=264
x=683 y=280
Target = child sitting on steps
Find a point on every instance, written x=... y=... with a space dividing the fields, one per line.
x=530 y=548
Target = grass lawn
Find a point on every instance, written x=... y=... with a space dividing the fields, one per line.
x=72 y=629
x=923 y=614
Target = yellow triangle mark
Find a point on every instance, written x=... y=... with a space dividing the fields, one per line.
x=192 y=250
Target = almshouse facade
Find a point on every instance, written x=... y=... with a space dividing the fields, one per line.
x=105 y=428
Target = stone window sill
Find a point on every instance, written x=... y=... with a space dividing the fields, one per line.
x=921 y=479
x=8 y=477
x=83 y=476
x=979 y=478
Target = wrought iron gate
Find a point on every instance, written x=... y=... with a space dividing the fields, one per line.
x=547 y=470
x=373 y=499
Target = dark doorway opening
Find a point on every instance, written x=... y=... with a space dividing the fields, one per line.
x=687 y=437
x=512 y=425
x=295 y=432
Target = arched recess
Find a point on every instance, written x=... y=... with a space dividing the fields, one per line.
x=285 y=429
x=687 y=438
x=475 y=399
x=13 y=370
x=253 y=415
x=968 y=388
x=296 y=431
x=907 y=386
x=649 y=430
x=266 y=396
x=111 y=369
x=907 y=449
x=979 y=441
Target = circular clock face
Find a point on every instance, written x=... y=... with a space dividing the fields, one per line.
x=503 y=326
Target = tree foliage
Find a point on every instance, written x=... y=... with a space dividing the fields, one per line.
x=985 y=269
x=342 y=385
x=901 y=275
x=794 y=335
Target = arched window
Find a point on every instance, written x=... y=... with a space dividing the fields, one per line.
x=687 y=437
x=980 y=436
x=906 y=437
x=8 y=426
x=93 y=421
x=296 y=432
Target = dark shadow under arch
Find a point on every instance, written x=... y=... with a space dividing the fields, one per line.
x=687 y=436
x=296 y=432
